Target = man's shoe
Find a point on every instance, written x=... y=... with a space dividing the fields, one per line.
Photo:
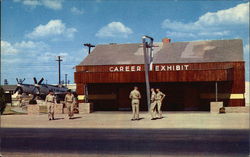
x=132 y=119
x=50 y=119
x=153 y=119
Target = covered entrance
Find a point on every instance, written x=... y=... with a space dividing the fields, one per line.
x=180 y=96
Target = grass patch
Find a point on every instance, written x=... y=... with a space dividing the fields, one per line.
x=8 y=111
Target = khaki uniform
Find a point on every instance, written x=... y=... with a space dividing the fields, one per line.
x=158 y=99
x=135 y=97
x=153 y=105
x=19 y=98
x=50 y=100
x=70 y=101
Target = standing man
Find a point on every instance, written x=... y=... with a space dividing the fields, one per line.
x=153 y=104
x=135 y=97
x=19 y=98
x=50 y=100
x=159 y=97
x=70 y=101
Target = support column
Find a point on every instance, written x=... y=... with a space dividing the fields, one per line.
x=216 y=91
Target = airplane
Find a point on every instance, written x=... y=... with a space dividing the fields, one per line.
x=44 y=89
x=40 y=90
x=25 y=88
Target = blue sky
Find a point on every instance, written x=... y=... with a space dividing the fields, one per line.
x=34 y=32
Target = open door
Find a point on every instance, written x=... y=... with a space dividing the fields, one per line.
x=124 y=103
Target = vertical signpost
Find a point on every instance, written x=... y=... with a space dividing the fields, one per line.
x=147 y=60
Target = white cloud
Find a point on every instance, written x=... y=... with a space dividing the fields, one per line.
x=7 y=48
x=77 y=11
x=114 y=29
x=211 y=24
x=51 y=4
x=52 y=29
x=236 y=15
x=180 y=34
x=216 y=33
x=30 y=45
x=31 y=3
x=22 y=47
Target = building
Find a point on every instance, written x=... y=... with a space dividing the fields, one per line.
x=188 y=72
x=8 y=91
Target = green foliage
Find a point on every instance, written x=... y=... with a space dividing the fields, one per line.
x=2 y=100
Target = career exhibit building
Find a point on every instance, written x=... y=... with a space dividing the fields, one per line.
x=191 y=74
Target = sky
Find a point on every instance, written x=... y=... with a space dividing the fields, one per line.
x=35 y=32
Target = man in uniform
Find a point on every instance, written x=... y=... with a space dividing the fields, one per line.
x=153 y=104
x=19 y=98
x=135 y=97
x=50 y=100
x=70 y=101
x=158 y=99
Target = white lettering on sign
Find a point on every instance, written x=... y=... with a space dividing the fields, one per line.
x=157 y=68
x=138 y=68
x=111 y=69
x=163 y=68
x=134 y=68
x=178 y=67
x=127 y=68
x=169 y=68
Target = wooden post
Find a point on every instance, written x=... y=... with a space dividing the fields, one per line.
x=216 y=92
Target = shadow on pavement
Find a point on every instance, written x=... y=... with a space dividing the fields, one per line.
x=134 y=141
x=140 y=118
x=58 y=118
x=75 y=117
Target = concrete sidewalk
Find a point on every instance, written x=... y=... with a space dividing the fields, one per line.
x=115 y=120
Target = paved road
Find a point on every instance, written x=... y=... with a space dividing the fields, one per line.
x=117 y=120
x=124 y=142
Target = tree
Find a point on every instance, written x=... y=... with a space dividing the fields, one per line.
x=6 y=82
x=2 y=100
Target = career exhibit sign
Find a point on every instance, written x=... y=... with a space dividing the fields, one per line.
x=134 y=68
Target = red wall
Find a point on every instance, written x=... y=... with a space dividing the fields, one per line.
x=230 y=75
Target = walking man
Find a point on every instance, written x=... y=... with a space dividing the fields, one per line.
x=70 y=101
x=158 y=98
x=153 y=104
x=135 y=97
x=50 y=100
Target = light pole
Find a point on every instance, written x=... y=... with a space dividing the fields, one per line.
x=147 y=61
